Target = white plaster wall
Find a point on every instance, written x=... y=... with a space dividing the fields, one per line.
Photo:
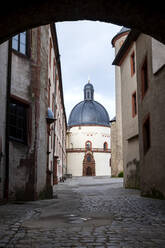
x=102 y=164
x=77 y=137
x=75 y=163
x=96 y=134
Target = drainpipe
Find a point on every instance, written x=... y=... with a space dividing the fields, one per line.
x=8 y=90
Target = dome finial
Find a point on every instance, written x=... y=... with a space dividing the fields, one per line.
x=89 y=80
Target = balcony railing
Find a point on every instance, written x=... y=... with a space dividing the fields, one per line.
x=85 y=150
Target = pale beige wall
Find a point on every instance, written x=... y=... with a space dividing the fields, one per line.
x=129 y=123
x=75 y=163
x=117 y=162
x=116 y=165
x=153 y=162
x=102 y=164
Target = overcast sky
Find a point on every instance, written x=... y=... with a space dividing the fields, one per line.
x=86 y=52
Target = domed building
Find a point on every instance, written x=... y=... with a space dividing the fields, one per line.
x=88 y=138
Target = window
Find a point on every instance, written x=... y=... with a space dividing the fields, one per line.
x=146 y=135
x=88 y=158
x=144 y=77
x=18 y=121
x=88 y=145
x=134 y=105
x=105 y=146
x=132 y=63
x=19 y=43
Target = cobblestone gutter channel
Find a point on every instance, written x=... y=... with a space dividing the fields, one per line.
x=88 y=212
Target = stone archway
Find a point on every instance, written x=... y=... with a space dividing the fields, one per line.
x=89 y=165
x=16 y=16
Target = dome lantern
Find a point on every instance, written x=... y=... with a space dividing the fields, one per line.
x=88 y=92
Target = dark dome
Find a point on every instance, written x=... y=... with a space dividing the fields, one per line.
x=88 y=111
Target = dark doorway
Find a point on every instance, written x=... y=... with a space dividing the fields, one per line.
x=89 y=165
x=89 y=171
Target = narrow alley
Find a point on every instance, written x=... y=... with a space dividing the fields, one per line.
x=85 y=212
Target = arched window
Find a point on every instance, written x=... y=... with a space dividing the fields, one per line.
x=88 y=158
x=105 y=146
x=88 y=145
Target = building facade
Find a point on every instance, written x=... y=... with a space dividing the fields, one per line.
x=117 y=133
x=127 y=79
x=149 y=60
x=28 y=86
x=151 y=105
x=88 y=138
x=56 y=130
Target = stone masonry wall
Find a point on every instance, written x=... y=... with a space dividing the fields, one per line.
x=3 y=82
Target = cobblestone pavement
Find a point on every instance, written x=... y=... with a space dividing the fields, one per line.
x=86 y=212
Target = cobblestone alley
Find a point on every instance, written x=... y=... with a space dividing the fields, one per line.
x=86 y=212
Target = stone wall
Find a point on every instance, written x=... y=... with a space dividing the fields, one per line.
x=3 y=85
x=42 y=105
x=114 y=150
x=27 y=173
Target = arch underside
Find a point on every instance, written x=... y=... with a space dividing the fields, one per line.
x=16 y=16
